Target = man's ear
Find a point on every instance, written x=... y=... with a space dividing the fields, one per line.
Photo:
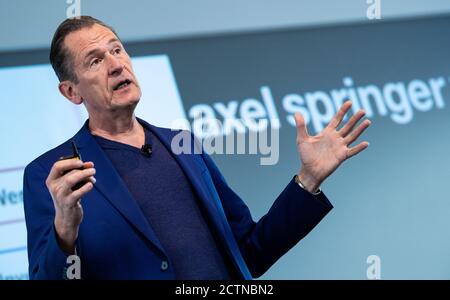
x=67 y=89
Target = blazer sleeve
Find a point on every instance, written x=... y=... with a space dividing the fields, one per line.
x=294 y=213
x=45 y=257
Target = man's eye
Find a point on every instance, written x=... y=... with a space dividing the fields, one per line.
x=95 y=62
x=117 y=51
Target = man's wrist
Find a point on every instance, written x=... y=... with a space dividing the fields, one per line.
x=66 y=238
x=308 y=183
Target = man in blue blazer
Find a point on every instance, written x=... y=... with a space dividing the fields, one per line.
x=143 y=211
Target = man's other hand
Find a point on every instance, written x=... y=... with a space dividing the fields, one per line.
x=321 y=154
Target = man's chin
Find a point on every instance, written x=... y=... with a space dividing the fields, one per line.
x=119 y=104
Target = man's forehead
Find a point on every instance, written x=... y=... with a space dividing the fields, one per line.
x=83 y=40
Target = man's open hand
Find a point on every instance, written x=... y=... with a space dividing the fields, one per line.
x=321 y=154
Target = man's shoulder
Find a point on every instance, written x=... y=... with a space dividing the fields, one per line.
x=168 y=133
x=165 y=131
x=47 y=159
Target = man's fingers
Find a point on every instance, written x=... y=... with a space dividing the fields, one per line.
x=62 y=166
x=348 y=127
x=357 y=132
x=77 y=176
x=92 y=179
x=358 y=148
x=88 y=164
x=302 y=132
x=79 y=193
x=339 y=116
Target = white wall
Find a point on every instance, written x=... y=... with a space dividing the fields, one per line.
x=26 y=24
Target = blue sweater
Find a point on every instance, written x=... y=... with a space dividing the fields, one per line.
x=167 y=200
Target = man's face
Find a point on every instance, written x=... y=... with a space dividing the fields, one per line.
x=106 y=81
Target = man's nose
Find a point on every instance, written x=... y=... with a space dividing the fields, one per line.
x=115 y=65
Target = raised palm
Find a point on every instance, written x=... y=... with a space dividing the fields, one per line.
x=321 y=154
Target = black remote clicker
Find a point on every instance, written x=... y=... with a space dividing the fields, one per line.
x=76 y=155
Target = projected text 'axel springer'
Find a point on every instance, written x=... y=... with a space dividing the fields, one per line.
x=396 y=100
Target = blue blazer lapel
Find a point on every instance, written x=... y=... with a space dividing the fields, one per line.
x=111 y=185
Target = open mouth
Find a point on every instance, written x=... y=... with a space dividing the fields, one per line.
x=122 y=84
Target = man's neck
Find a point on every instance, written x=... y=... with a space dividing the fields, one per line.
x=123 y=129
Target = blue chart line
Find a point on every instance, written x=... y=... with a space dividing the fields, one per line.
x=10 y=250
